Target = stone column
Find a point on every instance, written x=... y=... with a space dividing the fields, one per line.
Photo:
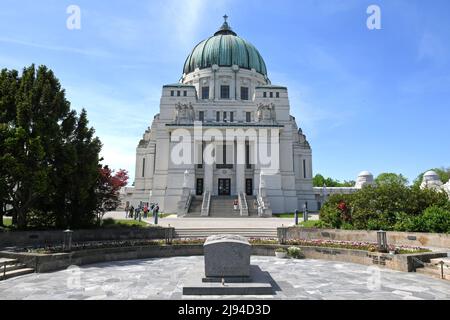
x=209 y=172
x=240 y=165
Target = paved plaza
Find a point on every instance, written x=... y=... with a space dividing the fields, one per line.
x=214 y=222
x=164 y=279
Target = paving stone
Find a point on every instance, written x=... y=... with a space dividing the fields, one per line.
x=163 y=279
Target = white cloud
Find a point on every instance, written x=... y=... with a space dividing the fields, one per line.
x=89 y=52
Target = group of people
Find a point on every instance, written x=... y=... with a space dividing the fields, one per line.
x=142 y=211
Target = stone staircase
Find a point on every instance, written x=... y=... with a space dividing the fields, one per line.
x=245 y=232
x=10 y=268
x=195 y=208
x=222 y=207
x=435 y=270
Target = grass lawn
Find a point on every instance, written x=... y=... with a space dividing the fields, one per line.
x=111 y=223
x=7 y=222
x=285 y=215
x=309 y=224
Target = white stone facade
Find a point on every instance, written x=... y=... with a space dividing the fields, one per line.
x=252 y=105
x=431 y=180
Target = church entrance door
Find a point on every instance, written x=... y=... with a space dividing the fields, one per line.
x=249 y=187
x=224 y=187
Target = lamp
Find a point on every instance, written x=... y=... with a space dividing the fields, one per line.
x=382 y=241
x=67 y=245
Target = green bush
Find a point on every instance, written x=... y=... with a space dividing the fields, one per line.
x=391 y=206
x=295 y=252
x=436 y=219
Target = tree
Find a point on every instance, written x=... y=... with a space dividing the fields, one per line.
x=320 y=181
x=49 y=157
x=28 y=115
x=108 y=188
x=391 y=178
x=77 y=175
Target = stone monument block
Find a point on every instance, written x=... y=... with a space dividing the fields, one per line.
x=227 y=256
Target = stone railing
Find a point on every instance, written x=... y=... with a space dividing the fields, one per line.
x=188 y=204
x=56 y=237
x=185 y=202
x=206 y=204
x=243 y=204
x=431 y=240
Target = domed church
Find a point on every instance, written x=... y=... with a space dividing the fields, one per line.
x=224 y=143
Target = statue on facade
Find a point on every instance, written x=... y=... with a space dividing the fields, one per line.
x=184 y=113
x=266 y=113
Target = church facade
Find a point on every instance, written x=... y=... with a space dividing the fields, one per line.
x=224 y=136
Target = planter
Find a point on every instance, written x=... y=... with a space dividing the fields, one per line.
x=281 y=255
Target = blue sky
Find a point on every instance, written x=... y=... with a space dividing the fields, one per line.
x=373 y=100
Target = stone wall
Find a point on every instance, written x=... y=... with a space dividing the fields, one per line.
x=53 y=262
x=399 y=262
x=431 y=240
x=39 y=238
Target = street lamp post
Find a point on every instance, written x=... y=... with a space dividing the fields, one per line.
x=382 y=241
x=67 y=245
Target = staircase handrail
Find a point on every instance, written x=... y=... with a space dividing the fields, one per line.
x=188 y=204
x=243 y=204
x=206 y=203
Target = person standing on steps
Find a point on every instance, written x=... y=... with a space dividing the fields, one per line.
x=127 y=209
x=145 y=211
x=131 y=212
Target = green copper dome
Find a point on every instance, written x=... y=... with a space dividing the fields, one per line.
x=225 y=49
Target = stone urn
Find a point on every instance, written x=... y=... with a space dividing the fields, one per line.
x=281 y=254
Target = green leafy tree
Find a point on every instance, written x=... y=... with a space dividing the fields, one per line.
x=391 y=178
x=49 y=157
x=320 y=181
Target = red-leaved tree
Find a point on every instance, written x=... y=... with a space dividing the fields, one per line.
x=109 y=186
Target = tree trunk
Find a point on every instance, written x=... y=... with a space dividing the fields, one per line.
x=14 y=217
x=2 y=212
x=22 y=219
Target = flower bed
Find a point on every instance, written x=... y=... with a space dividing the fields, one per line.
x=365 y=246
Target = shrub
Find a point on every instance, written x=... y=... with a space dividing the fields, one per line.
x=436 y=219
x=295 y=252
x=281 y=250
x=389 y=206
